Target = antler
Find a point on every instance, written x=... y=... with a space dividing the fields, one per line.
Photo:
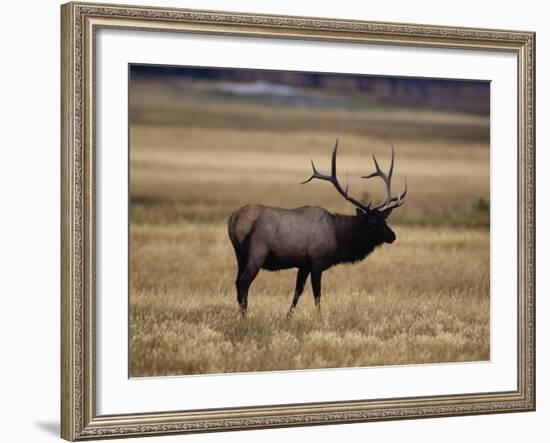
x=391 y=202
x=334 y=180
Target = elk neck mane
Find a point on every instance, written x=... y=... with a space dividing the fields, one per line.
x=354 y=241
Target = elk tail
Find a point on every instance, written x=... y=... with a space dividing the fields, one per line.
x=241 y=224
x=232 y=231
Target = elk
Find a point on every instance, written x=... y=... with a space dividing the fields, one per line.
x=309 y=238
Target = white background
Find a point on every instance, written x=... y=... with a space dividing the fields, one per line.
x=117 y=394
x=29 y=232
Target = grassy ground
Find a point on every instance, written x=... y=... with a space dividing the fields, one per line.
x=423 y=299
x=408 y=303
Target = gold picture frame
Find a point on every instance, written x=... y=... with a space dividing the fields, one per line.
x=80 y=21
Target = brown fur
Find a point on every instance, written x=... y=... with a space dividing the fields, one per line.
x=241 y=222
x=309 y=238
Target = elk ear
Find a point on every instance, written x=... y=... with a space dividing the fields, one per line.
x=386 y=212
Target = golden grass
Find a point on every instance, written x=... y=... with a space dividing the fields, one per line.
x=423 y=299
x=407 y=303
x=189 y=173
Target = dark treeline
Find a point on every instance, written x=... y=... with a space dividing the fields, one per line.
x=452 y=95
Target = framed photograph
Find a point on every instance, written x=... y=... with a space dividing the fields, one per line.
x=284 y=221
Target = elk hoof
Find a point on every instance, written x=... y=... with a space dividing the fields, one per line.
x=319 y=313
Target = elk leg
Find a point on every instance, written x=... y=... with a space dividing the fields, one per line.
x=316 y=286
x=241 y=264
x=246 y=278
x=300 y=283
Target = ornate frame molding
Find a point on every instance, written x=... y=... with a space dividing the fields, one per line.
x=79 y=420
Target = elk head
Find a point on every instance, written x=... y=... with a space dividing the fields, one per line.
x=373 y=218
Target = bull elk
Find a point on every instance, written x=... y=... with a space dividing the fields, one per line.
x=309 y=238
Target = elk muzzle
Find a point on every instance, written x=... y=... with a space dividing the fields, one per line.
x=389 y=236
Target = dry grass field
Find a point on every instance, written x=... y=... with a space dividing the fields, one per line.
x=423 y=299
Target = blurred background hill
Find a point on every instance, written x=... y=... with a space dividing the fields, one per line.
x=343 y=90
